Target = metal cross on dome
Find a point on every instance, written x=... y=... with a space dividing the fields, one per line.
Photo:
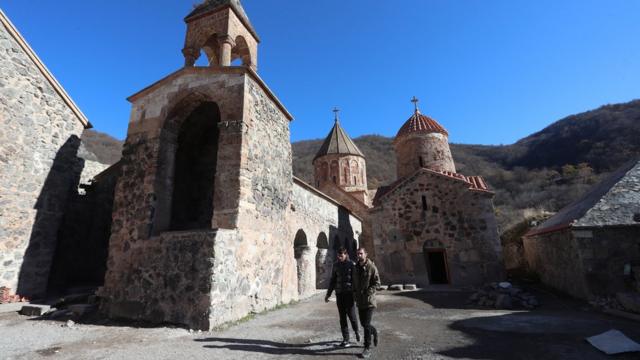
x=415 y=101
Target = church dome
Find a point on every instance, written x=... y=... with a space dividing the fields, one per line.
x=419 y=123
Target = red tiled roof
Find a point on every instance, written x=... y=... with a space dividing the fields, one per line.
x=419 y=123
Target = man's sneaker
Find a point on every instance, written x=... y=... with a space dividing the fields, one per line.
x=375 y=336
x=357 y=337
x=366 y=353
x=345 y=344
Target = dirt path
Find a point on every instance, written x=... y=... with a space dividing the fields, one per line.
x=413 y=325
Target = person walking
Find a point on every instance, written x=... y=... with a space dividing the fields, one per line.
x=341 y=282
x=366 y=281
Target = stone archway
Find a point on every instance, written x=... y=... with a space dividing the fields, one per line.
x=304 y=267
x=323 y=262
x=195 y=169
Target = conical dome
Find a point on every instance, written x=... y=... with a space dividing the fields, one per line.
x=338 y=142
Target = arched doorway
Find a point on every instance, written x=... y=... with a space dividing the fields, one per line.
x=323 y=262
x=436 y=263
x=195 y=169
x=303 y=268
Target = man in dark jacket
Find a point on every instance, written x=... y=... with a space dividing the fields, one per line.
x=341 y=282
x=366 y=281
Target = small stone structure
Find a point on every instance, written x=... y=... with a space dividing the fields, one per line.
x=590 y=247
x=433 y=225
x=40 y=169
x=209 y=224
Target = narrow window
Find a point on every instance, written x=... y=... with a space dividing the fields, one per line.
x=424 y=203
x=355 y=181
x=334 y=179
x=421 y=162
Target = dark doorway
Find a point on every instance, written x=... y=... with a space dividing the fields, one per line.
x=436 y=261
x=300 y=248
x=195 y=169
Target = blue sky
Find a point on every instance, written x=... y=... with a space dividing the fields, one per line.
x=490 y=71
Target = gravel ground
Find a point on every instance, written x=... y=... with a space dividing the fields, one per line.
x=412 y=325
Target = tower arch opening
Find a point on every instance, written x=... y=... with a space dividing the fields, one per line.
x=194 y=173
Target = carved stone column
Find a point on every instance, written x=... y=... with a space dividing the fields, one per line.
x=226 y=45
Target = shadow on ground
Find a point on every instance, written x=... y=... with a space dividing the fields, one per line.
x=538 y=335
x=325 y=348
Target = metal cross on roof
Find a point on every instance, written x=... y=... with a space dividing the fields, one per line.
x=336 y=111
x=415 y=101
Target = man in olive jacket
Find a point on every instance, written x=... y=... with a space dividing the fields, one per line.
x=366 y=281
x=342 y=283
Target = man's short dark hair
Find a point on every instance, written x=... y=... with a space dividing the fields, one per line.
x=363 y=249
x=342 y=250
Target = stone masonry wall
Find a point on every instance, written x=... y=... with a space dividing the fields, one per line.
x=39 y=141
x=605 y=255
x=143 y=193
x=585 y=262
x=460 y=221
x=432 y=147
x=255 y=263
x=320 y=219
x=555 y=258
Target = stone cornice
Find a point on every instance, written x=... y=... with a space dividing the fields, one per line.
x=43 y=69
x=241 y=70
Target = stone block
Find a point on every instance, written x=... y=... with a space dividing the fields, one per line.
x=383 y=287
x=34 y=310
x=396 y=287
x=410 y=287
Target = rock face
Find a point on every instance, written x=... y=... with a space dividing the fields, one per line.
x=40 y=130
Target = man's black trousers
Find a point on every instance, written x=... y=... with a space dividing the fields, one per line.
x=365 y=320
x=346 y=307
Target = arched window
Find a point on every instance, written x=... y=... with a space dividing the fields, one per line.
x=195 y=169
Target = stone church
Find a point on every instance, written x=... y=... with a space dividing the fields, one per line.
x=432 y=225
x=206 y=222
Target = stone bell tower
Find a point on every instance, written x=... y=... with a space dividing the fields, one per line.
x=340 y=163
x=201 y=186
x=222 y=30
x=422 y=143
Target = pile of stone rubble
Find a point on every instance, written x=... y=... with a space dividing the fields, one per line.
x=503 y=296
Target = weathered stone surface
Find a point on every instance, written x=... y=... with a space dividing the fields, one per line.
x=396 y=287
x=270 y=240
x=39 y=167
x=410 y=287
x=432 y=211
x=584 y=263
